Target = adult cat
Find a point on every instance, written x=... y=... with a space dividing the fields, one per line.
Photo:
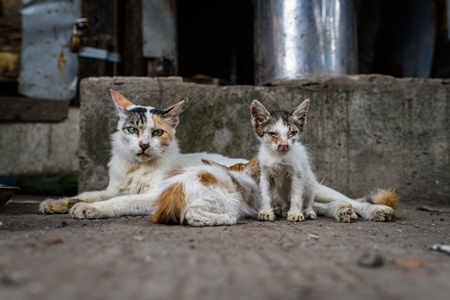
x=144 y=150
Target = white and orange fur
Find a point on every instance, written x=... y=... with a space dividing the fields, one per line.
x=144 y=150
x=209 y=195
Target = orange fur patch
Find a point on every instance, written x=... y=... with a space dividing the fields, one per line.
x=170 y=205
x=387 y=197
x=162 y=124
x=207 y=178
x=252 y=167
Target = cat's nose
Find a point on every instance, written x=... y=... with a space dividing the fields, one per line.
x=283 y=147
x=143 y=146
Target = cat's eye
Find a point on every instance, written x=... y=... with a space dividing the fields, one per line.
x=158 y=132
x=132 y=130
x=293 y=133
x=272 y=134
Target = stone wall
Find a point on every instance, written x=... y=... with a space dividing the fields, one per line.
x=362 y=132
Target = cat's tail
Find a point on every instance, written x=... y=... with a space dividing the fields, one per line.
x=388 y=197
x=170 y=206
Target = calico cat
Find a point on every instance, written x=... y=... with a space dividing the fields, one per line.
x=286 y=175
x=209 y=195
x=144 y=150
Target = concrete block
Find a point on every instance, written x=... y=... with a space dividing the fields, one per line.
x=363 y=131
x=40 y=148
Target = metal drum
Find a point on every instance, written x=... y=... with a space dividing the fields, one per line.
x=300 y=38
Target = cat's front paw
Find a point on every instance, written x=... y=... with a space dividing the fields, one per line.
x=84 y=211
x=57 y=206
x=380 y=213
x=266 y=215
x=295 y=216
x=309 y=214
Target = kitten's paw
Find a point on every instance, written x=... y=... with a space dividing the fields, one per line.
x=380 y=213
x=309 y=214
x=345 y=213
x=266 y=215
x=57 y=206
x=279 y=212
x=295 y=216
x=85 y=211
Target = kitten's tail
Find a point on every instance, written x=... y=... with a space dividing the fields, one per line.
x=170 y=205
x=387 y=197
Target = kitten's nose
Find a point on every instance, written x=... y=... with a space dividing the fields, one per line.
x=283 y=147
x=143 y=146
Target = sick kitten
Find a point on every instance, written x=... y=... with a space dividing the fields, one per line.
x=209 y=195
x=286 y=176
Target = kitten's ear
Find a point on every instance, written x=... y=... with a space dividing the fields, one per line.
x=299 y=114
x=206 y=162
x=212 y=163
x=122 y=103
x=259 y=112
x=172 y=114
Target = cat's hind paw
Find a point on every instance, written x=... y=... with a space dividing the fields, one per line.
x=266 y=215
x=309 y=214
x=295 y=216
x=84 y=211
x=380 y=213
x=345 y=213
x=57 y=206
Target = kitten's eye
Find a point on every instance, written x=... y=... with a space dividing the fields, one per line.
x=132 y=130
x=293 y=133
x=272 y=134
x=157 y=132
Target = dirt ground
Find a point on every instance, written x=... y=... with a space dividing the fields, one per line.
x=57 y=257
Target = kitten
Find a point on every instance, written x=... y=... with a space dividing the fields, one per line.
x=144 y=150
x=209 y=195
x=286 y=174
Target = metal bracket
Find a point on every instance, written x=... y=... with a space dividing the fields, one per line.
x=96 y=53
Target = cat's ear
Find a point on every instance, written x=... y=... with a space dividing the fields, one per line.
x=259 y=112
x=299 y=114
x=172 y=114
x=122 y=103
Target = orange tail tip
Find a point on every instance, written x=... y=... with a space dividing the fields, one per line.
x=387 y=197
x=170 y=206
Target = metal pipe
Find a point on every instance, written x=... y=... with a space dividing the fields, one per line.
x=300 y=38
